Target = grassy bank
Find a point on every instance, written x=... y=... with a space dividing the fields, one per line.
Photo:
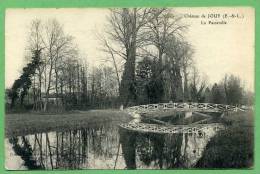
x=29 y=123
x=233 y=147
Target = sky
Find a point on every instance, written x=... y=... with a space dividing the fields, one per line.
x=219 y=48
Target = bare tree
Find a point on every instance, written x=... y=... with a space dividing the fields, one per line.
x=125 y=25
x=36 y=47
x=57 y=47
x=179 y=56
x=162 y=26
x=197 y=85
x=107 y=48
x=186 y=63
x=164 y=32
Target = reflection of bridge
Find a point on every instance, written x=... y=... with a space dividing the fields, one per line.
x=173 y=129
x=163 y=127
x=182 y=107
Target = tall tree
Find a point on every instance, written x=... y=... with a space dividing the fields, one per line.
x=21 y=86
x=186 y=65
x=56 y=43
x=35 y=44
x=233 y=89
x=125 y=25
x=207 y=95
x=144 y=76
x=163 y=30
x=218 y=94
x=197 y=86
x=173 y=65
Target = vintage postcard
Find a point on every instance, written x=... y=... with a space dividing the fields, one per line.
x=129 y=88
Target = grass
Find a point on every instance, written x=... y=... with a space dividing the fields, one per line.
x=31 y=123
x=233 y=147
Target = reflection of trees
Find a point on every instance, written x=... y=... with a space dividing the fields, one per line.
x=152 y=152
x=24 y=150
x=163 y=150
x=172 y=150
x=128 y=141
x=160 y=150
x=69 y=150
x=86 y=148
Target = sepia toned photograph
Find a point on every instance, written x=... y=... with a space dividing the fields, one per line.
x=129 y=88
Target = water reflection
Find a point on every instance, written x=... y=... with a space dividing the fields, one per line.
x=105 y=147
x=75 y=149
x=162 y=151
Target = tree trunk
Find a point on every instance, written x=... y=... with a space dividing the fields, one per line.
x=127 y=87
x=186 y=92
x=127 y=90
x=48 y=87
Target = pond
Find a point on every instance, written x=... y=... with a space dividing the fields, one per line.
x=104 y=146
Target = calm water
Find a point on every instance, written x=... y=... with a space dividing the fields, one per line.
x=104 y=147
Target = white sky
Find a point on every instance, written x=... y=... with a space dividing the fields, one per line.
x=219 y=49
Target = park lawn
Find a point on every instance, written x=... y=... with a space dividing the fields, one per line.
x=31 y=123
x=232 y=147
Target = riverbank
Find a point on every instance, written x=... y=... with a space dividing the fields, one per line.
x=233 y=147
x=30 y=123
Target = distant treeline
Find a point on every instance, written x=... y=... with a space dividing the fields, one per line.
x=149 y=61
x=228 y=91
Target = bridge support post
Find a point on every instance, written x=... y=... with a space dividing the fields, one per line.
x=225 y=113
x=188 y=114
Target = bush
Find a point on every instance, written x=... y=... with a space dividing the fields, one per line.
x=233 y=147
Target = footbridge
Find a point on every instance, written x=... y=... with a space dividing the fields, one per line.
x=194 y=128
x=182 y=107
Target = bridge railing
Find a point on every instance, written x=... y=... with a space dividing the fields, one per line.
x=206 y=107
